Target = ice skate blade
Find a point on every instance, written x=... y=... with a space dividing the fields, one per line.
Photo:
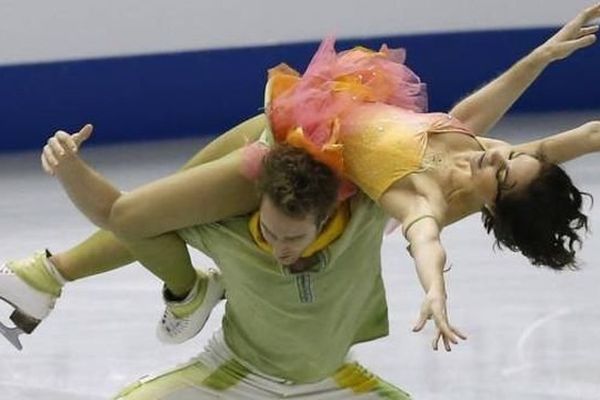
x=24 y=321
x=12 y=335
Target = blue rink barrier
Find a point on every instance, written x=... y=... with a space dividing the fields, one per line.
x=204 y=92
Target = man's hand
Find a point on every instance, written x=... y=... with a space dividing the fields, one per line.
x=575 y=35
x=434 y=306
x=62 y=148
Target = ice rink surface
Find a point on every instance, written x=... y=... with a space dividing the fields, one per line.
x=533 y=333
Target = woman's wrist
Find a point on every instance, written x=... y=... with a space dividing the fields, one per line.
x=437 y=289
x=541 y=57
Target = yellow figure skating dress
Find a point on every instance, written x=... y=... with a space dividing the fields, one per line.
x=362 y=112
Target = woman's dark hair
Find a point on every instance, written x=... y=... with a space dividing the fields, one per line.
x=541 y=221
x=298 y=184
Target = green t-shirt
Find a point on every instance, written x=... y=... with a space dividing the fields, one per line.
x=299 y=326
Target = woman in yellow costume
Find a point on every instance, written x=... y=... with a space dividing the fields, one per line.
x=362 y=113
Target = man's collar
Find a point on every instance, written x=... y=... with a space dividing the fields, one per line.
x=330 y=232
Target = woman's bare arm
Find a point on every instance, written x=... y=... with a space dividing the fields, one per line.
x=565 y=146
x=483 y=109
x=402 y=203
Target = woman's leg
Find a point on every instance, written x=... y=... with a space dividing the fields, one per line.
x=32 y=284
x=167 y=257
x=103 y=252
x=99 y=253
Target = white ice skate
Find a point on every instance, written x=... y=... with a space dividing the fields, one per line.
x=30 y=305
x=173 y=329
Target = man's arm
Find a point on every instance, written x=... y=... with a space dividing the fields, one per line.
x=483 y=109
x=207 y=193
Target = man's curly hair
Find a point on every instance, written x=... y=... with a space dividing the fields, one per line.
x=542 y=222
x=298 y=184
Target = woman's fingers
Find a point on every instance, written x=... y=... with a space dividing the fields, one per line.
x=564 y=49
x=580 y=43
x=436 y=340
x=423 y=317
x=588 y=30
x=587 y=15
x=576 y=27
x=447 y=333
x=459 y=333
x=591 y=12
x=83 y=135
x=66 y=140
x=446 y=341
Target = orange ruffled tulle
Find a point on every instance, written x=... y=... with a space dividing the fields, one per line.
x=307 y=111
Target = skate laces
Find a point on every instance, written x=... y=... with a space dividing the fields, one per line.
x=4 y=270
x=174 y=325
x=38 y=272
x=181 y=316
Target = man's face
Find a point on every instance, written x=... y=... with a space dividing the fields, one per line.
x=288 y=236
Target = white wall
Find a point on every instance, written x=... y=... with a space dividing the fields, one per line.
x=32 y=31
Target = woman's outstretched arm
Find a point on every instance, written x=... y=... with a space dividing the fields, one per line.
x=567 y=145
x=483 y=109
x=422 y=230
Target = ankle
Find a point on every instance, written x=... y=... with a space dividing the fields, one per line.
x=178 y=293
x=177 y=296
x=58 y=263
x=53 y=269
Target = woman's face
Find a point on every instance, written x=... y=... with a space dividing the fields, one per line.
x=501 y=172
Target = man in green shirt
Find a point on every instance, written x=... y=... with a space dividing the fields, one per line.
x=303 y=283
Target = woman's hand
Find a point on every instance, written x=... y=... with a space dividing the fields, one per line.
x=62 y=148
x=575 y=35
x=434 y=307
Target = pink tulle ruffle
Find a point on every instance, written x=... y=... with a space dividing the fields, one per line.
x=309 y=110
x=334 y=84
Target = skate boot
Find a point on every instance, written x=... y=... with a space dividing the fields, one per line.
x=31 y=288
x=182 y=320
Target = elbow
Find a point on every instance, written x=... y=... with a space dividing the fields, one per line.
x=126 y=220
x=593 y=129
